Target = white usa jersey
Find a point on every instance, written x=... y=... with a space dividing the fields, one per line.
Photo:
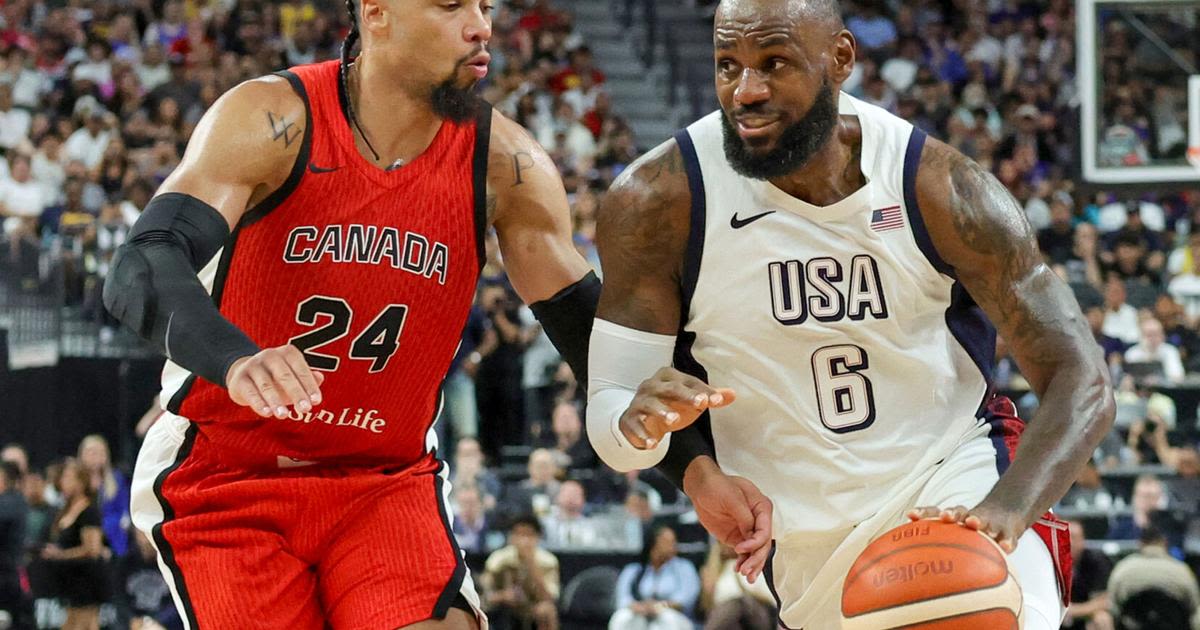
x=851 y=346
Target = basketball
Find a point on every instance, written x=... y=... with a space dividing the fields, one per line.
x=931 y=575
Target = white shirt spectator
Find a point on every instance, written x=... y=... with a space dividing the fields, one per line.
x=900 y=73
x=152 y=76
x=50 y=174
x=20 y=201
x=1122 y=324
x=98 y=72
x=1166 y=354
x=85 y=147
x=14 y=127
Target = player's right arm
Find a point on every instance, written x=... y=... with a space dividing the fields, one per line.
x=242 y=150
x=640 y=409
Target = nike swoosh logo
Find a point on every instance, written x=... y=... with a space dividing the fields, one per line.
x=313 y=168
x=737 y=224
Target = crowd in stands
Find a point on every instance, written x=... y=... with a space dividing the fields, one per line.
x=97 y=102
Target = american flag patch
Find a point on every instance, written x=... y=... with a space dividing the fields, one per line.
x=887 y=219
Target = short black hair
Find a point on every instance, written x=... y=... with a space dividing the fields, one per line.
x=528 y=520
x=1152 y=535
x=10 y=473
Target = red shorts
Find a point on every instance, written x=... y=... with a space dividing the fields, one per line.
x=299 y=548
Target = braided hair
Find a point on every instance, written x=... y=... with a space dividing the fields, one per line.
x=344 y=72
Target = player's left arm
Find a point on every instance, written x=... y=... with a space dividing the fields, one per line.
x=979 y=229
x=528 y=207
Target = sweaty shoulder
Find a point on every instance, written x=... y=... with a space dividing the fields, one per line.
x=244 y=147
x=519 y=170
x=641 y=233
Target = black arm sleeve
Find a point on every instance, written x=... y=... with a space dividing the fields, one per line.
x=567 y=319
x=153 y=289
x=686 y=445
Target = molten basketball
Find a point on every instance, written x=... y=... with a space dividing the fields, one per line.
x=931 y=575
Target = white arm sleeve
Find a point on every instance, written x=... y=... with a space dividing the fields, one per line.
x=619 y=359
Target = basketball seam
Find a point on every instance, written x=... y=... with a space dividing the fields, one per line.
x=973 y=612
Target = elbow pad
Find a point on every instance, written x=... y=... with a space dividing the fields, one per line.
x=620 y=359
x=152 y=286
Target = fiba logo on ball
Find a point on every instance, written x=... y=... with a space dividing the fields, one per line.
x=930 y=574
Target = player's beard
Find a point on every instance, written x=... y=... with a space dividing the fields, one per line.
x=451 y=100
x=797 y=143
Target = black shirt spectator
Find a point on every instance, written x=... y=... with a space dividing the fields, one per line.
x=12 y=536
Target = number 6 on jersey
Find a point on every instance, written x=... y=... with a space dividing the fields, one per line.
x=845 y=399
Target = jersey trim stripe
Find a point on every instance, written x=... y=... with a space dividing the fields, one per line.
x=769 y=574
x=483 y=138
x=682 y=442
x=912 y=162
x=454 y=586
x=966 y=321
x=164 y=547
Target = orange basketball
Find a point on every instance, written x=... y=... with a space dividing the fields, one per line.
x=931 y=575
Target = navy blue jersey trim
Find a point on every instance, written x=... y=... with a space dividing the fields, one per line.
x=479 y=164
x=696 y=439
x=912 y=162
x=769 y=574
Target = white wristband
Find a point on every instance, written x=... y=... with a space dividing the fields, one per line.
x=619 y=359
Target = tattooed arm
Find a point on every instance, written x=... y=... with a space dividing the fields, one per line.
x=243 y=149
x=980 y=231
x=529 y=209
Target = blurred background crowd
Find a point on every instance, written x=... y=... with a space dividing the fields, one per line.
x=98 y=99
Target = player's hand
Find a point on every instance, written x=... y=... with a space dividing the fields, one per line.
x=668 y=401
x=273 y=380
x=733 y=510
x=998 y=524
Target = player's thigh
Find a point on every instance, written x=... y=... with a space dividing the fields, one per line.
x=1039 y=587
x=226 y=577
x=393 y=562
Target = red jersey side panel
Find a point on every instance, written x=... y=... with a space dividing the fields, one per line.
x=371 y=273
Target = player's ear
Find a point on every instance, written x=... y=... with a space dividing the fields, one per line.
x=844 y=48
x=372 y=14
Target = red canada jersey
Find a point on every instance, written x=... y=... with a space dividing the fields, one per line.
x=371 y=273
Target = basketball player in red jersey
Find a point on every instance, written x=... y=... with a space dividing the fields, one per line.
x=308 y=270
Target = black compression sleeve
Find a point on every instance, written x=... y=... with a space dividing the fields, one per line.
x=567 y=319
x=153 y=289
x=686 y=446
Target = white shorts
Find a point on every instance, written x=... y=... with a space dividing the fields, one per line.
x=806 y=575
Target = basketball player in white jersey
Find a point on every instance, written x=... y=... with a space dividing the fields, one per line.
x=838 y=272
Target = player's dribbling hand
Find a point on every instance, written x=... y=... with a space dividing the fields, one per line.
x=998 y=524
x=734 y=510
x=668 y=401
x=273 y=380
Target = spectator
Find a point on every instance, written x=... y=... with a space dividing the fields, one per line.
x=1088 y=491
x=17 y=455
x=871 y=28
x=14 y=122
x=13 y=515
x=112 y=491
x=541 y=362
x=1153 y=347
x=580 y=71
x=1084 y=265
x=76 y=552
x=1058 y=242
x=1089 y=583
x=21 y=199
x=1120 y=319
x=87 y=143
x=469 y=472
x=1183 y=269
x=1152 y=569
x=729 y=601
x=143 y=597
x=1148 y=498
x=566 y=526
x=470 y=522
x=659 y=591
x=478 y=341
x=498 y=379
x=1114 y=349
x=535 y=494
x=571 y=448
x=520 y=580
